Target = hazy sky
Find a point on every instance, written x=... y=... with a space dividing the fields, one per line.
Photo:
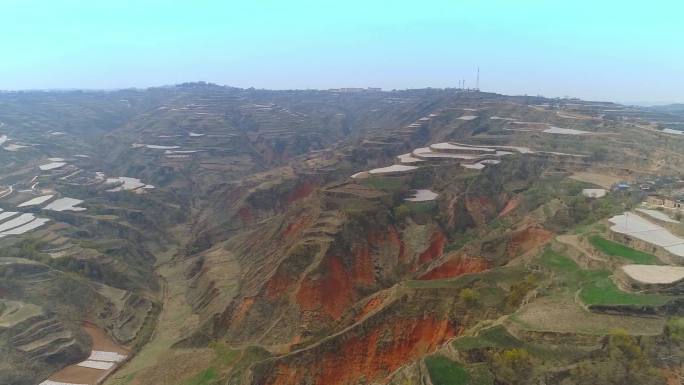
x=600 y=49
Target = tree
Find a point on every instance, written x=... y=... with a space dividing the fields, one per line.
x=626 y=362
x=513 y=366
x=469 y=296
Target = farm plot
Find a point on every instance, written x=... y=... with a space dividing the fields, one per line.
x=595 y=287
x=604 y=291
x=498 y=337
x=443 y=371
x=126 y=184
x=51 y=166
x=615 y=249
x=637 y=227
x=561 y=314
x=65 y=204
x=650 y=274
x=105 y=357
x=394 y=169
x=594 y=192
x=659 y=215
x=565 y=131
x=422 y=196
x=36 y=201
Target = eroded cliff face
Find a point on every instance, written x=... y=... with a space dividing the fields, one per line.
x=391 y=330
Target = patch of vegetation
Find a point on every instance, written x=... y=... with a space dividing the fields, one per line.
x=27 y=248
x=205 y=377
x=469 y=296
x=385 y=183
x=497 y=338
x=568 y=275
x=615 y=249
x=596 y=286
x=574 y=210
x=444 y=371
x=605 y=292
x=415 y=209
x=457 y=282
x=494 y=337
x=461 y=240
x=224 y=357
x=674 y=330
x=513 y=366
x=625 y=361
x=480 y=375
x=519 y=290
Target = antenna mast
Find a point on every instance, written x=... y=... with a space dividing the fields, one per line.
x=477 y=83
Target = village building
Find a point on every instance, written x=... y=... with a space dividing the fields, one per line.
x=665 y=201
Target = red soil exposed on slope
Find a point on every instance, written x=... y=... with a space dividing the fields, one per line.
x=511 y=205
x=246 y=215
x=332 y=293
x=242 y=309
x=455 y=267
x=362 y=267
x=277 y=285
x=296 y=227
x=436 y=248
x=372 y=356
x=335 y=290
x=300 y=192
x=529 y=239
x=480 y=209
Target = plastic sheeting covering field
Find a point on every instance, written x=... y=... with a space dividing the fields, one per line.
x=422 y=196
x=654 y=274
x=638 y=227
x=659 y=215
x=65 y=204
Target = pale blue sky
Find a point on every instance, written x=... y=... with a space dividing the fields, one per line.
x=612 y=50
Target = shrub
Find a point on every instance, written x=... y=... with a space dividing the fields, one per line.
x=469 y=296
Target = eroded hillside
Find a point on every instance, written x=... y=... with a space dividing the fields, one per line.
x=219 y=235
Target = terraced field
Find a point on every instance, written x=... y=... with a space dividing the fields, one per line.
x=615 y=249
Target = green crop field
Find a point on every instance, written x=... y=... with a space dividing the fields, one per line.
x=617 y=250
x=605 y=292
x=569 y=274
x=443 y=371
x=494 y=337
x=596 y=286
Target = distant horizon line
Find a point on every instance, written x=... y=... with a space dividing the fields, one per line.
x=641 y=103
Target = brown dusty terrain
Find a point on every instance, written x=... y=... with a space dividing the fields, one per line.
x=79 y=375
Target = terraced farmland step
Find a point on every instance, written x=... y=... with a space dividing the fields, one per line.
x=21 y=316
x=37 y=346
x=37 y=331
x=60 y=348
